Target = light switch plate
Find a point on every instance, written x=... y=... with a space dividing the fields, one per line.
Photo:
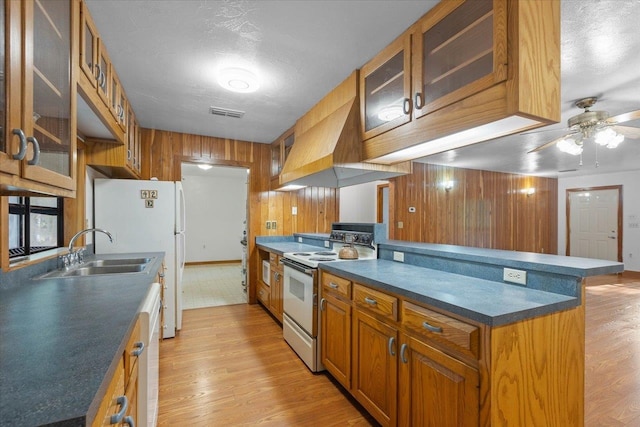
x=398 y=256
x=515 y=276
x=294 y=210
x=299 y=239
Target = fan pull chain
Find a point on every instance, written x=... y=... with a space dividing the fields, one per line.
x=597 y=164
x=580 y=164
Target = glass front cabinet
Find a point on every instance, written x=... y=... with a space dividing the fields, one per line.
x=457 y=49
x=39 y=136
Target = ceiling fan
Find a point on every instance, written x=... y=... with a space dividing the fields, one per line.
x=604 y=130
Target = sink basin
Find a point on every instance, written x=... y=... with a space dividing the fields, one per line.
x=101 y=267
x=111 y=269
x=117 y=262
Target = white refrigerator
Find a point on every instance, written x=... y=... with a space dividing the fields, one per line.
x=145 y=216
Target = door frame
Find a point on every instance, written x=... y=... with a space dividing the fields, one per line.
x=568 y=214
x=379 y=202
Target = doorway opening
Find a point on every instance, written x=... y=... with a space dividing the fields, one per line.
x=216 y=199
x=594 y=222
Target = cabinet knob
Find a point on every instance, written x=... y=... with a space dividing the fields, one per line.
x=36 y=151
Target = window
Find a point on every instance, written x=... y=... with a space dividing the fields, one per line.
x=35 y=225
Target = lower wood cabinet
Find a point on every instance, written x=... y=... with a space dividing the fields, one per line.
x=411 y=364
x=375 y=367
x=271 y=295
x=435 y=388
x=336 y=350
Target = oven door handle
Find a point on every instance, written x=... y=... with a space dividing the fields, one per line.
x=297 y=266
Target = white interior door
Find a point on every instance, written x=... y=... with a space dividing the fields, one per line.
x=593 y=224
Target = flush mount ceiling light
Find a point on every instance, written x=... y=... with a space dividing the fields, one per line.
x=238 y=80
x=205 y=167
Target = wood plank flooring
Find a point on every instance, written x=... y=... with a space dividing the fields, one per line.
x=229 y=366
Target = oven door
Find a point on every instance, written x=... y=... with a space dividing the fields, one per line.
x=300 y=299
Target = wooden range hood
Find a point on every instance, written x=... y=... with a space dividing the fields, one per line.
x=327 y=151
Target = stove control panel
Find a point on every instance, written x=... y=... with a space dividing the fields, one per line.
x=352 y=237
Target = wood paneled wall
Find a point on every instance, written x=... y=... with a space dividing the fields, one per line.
x=163 y=152
x=483 y=209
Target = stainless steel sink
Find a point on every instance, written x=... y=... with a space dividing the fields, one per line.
x=101 y=267
x=112 y=269
x=117 y=262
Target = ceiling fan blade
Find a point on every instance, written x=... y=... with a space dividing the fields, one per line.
x=544 y=130
x=625 y=117
x=628 y=131
x=548 y=144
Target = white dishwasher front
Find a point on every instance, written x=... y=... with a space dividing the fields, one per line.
x=150 y=359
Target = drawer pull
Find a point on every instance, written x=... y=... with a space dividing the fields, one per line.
x=333 y=285
x=139 y=348
x=370 y=301
x=432 y=328
x=124 y=404
x=403 y=353
x=392 y=340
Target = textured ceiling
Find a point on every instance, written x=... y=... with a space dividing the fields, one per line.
x=167 y=52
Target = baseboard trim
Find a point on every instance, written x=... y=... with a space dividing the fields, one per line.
x=231 y=261
x=631 y=274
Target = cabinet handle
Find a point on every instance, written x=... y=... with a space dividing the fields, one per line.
x=36 y=151
x=419 y=103
x=432 y=328
x=124 y=404
x=403 y=353
x=370 y=301
x=139 y=348
x=333 y=285
x=406 y=106
x=392 y=341
x=129 y=421
x=276 y=275
x=98 y=72
x=23 y=144
x=128 y=154
x=322 y=304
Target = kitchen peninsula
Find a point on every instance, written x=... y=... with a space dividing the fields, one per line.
x=443 y=325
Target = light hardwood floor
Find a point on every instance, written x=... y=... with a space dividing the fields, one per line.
x=229 y=366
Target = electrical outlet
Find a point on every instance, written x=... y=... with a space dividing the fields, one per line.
x=273 y=225
x=326 y=243
x=299 y=239
x=268 y=225
x=398 y=256
x=400 y=224
x=515 y=276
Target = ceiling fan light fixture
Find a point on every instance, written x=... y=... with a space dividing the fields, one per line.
x=570 y=145
x=608 y=138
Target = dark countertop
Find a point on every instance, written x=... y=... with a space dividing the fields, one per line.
x=61 y=341
x=492 y=303
x=282 y=247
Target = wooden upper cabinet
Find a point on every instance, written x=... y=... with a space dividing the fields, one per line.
x=10 y=144
x=41 y=119
x=385 y=89
x=103 y=72
x=279 y=152
x=88 y=46
x=459 y=49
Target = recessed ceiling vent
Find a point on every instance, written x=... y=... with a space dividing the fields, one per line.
x=226 y=112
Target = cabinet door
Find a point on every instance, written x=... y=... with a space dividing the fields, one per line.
x=88 y=45
x=10 y=145
x=104 y=74
x=385 y=89
x=336 y=338
x=459 y=49
x=48 y=111
x=375 y=367
x=276 y=294
x=435 y=389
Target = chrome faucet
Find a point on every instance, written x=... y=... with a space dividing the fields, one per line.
x=77 y=257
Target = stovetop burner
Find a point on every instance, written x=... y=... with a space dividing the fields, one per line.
x=321 y=259
x=325 y=253
x=303 y=253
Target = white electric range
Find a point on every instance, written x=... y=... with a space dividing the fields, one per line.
x=301 y=319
